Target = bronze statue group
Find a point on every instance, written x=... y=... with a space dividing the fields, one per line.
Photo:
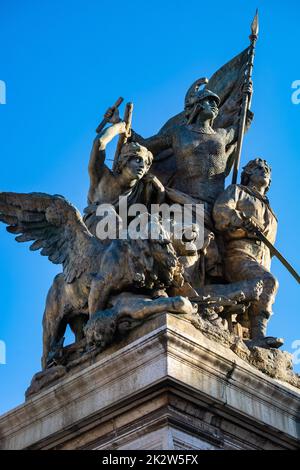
x=108 y=287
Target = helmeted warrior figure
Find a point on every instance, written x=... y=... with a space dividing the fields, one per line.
x=202 y=151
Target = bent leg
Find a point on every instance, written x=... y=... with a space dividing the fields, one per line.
x=243 y=268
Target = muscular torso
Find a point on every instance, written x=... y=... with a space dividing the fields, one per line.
x=201 y=161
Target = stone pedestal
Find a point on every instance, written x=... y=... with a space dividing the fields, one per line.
x=165 y=386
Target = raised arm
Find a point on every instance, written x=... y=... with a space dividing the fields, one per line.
x=97 y=167
x=232 y=134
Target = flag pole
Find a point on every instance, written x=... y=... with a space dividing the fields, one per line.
x=246 y=98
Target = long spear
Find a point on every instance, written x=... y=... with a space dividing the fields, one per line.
x=246 y=98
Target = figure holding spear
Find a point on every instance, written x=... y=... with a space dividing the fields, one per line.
x=195 y=151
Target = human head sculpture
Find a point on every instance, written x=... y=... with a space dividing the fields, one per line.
x=201 y=102
x=134 y=161
x=257 y=172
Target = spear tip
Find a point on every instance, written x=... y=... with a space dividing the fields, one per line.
x=255 y=25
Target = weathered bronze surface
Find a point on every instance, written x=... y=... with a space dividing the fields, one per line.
x=108 y=287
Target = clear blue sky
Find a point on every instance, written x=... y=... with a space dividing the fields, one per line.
x=64 y=62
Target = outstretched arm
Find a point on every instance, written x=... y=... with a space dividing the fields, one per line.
x=232 y=132
x=155 y=144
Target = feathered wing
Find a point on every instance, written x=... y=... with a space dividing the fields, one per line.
x=55 y=227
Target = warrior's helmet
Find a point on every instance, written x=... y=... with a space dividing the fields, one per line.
x=195 y=95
